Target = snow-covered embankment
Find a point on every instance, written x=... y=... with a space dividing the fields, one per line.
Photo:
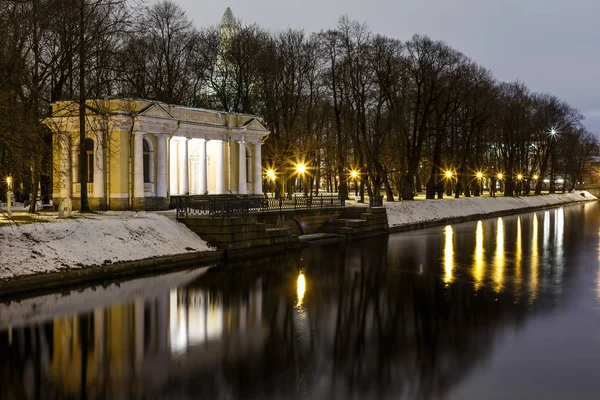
x=90 y=240
x=423 y=211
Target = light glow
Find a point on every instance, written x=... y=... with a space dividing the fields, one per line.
x=8 y=181
x=520 y=177
x=479 y=175
x=448 y=174
x=354 y=174
x=300 y=289
x=301 y=168
x=479 y=257
x=500 y=175
x=271 y=174
x=535 y=177
x=448 y=255
x=499 y=257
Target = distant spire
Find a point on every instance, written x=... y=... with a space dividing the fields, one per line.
x=228 y=18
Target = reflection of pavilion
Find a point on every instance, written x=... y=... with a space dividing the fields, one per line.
x=125 y=350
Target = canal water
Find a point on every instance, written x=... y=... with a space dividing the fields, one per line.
x=503 y=308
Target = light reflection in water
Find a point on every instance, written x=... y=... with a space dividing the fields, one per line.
x=448 y=255
x=559 y=232
x=518 y=259
x=478 y=257
x=546 y=247
x=598 y=275
x=301 y=288
x=499 y=257
x=535 y=263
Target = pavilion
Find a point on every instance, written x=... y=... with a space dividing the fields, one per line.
x=141 y=152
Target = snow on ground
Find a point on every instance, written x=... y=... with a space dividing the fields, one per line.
x=411 y=212
x=91 y=239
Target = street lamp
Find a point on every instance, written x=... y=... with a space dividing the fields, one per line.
x=300 y=170
x=448 y=174
x=8 y=195
x=354 y=175
x=271 y=178
x=479 y=176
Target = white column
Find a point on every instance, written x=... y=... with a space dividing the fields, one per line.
x=203 y=177
x=65 y=167
x=173 y=167
x=184 y=177
x=161 y=176
x=243 y=188
x=220 y=168
x=99 y=166
x=138 y=164
x=257 y=169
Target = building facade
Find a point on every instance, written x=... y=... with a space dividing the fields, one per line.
x=141 y=152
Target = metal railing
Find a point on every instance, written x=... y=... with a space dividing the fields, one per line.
x=230 y=207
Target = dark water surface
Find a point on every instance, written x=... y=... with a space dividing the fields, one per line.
x=505 y=308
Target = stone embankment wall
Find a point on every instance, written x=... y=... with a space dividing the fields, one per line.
x=284 y=227
x=238 y=233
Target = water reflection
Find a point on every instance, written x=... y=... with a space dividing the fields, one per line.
x=499 y=257
x=518 y=259
x=534 y=263
x=358 y=321
x=301 y=288
x=479 y=257
x=448 y=254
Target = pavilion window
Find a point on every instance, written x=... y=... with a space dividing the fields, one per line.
x=148 y=164
x=89 y=151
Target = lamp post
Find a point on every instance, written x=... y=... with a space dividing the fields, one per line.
x=519 y=183
x=8 y=195
x=553 y=135
x=271 y=178
x=500 y=176
x=301 y=170
x=480 y=183
x=354 y=175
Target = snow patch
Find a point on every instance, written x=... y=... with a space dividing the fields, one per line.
x=92 y=239
x=416 y=211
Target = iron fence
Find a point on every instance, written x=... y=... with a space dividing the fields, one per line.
x=230 y=207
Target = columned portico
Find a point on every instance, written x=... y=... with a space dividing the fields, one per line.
x=243 y=185
x=184 y=177
x=161 y=178
x=138 y=165
x=173 y=151
x=98 y=187
x=203 y=185
x=219 y=160
x=257 y=169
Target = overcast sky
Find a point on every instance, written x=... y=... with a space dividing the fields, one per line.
x=551 y=45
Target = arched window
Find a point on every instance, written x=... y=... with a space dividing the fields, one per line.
x=148 y=162
x=89 y=151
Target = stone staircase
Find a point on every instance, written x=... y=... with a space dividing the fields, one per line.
x=359 y=221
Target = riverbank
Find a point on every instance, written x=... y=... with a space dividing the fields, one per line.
x=92 y=240
x=52 y=252
x=406 y=215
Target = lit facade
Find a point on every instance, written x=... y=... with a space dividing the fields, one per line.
x=142 y=152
